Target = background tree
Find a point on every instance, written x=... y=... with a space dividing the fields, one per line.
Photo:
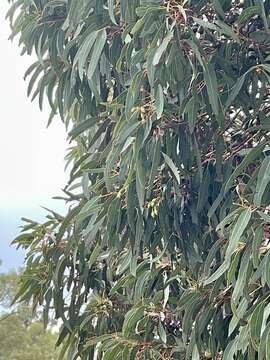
x=22 y=335
x=164 y=251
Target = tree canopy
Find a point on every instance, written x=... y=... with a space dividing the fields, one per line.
x=164 y=251
x=22 y=335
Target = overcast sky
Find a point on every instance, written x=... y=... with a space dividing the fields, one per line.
x=31 y=156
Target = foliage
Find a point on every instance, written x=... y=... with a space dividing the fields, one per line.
x=8 y=288
x=164 y=252
x=22 y=337
x=19 y=343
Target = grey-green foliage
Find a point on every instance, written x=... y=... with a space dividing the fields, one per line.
x=164 y=252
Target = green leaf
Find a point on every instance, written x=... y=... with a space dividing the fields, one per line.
x=141 y=286
x=267 y=352
x=264 y=16
x=255 y=325
x=81 y=127
x=242 y=277
x=172 y=166
x=247 y=14
x=212 y=87
x=98 y=339
x=156 y=154
x=218 y=8
x=235 y=90
x=190 y=313
x=218 y=273
x=238 y=315
x=84 y=51
x=228 y=30
x=111 y=11
x=191 y=109
x=88 y=209
x=252 y=155
x=138 y=26
x=233 y=268
x=263 y=181
x=261 y=37
x=266 y=269
x=230 y=350
x=131 y=207
x=162 y=333
x=237 y=231
x=256 y=244
x=131 y=319
x=211 y=255
x=98 y=47
x=263 y=343
x=159 y=99
x=59 y=272
x=166 y=296
x=94 y=255
x=141 y=180
x=162 y=48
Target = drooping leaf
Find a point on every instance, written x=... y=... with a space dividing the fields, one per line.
x=263 y=181
x=212 y=87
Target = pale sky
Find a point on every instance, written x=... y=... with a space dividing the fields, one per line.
x=31 y=156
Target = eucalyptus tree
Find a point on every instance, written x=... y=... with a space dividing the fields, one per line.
x=164 y=250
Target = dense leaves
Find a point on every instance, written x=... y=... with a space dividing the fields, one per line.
x=164 y=252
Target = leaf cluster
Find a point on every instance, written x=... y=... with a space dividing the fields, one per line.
x=164 y=252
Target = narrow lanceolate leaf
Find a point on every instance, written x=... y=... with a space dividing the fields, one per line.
x=156 y=154
x=83 y=52
x=141 y=181
x=159 y=99
x=94 y=255
x=237 y=231
x=218 y=7
x=264 y=16
x=58 y=276
x=253 y=154
x=162 y=333
x=247 y=14
x=267 y=350
x=255 y=325
x=97 y=50
x=266 y=269
x=162 y=48
x=212 y=87
x=111 y=11
x=242 y=280
x=263 y=181
x=238 y=315
x=264 y=343
x=218 y=273
x=81 y=127
x=131 y=319
x=256 y=244
x=172 y=166
x=230 y=350
x=191 y=109
x=235 y=91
